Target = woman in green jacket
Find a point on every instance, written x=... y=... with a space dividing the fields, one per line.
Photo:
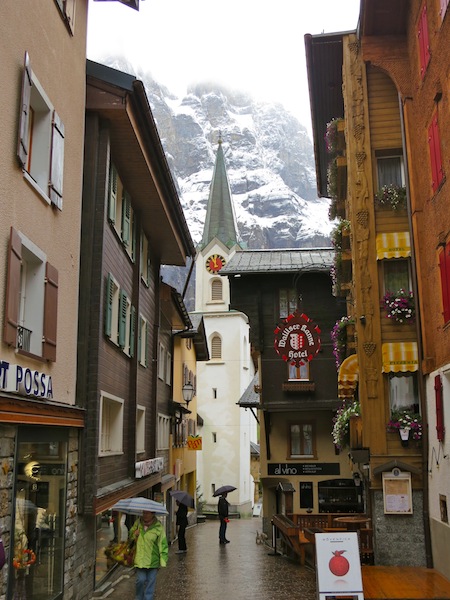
x=152 y=552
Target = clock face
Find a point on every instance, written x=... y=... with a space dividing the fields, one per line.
x=214 y=263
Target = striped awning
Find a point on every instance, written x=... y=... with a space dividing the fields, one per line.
x=399 y=357
x=393 y=245
x=348 y=376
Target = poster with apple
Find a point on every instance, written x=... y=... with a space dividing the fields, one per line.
x=338 y=564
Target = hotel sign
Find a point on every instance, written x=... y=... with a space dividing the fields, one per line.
x=297 y=339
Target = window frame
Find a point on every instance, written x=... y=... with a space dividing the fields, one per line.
x=290 y=303
x=387 y=264
x=140 y=428
x=142 y=342
x=216 y=347
x=298 y=371
x=301 y=424
x=163 y=434
x=391 y=377
x=384 y=155
x=110 y=402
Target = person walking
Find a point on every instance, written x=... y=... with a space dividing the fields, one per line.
x=181 y=522
x=223 y=510
x=152 y=552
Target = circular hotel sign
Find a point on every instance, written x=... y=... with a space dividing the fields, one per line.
x=297 y=339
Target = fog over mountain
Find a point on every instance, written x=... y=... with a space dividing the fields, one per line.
x=268 y=154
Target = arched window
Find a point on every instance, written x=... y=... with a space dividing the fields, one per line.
x=216 y=347
x=216 y=289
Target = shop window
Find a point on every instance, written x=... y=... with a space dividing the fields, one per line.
x=216 y=347
x=111 y=425
x=396 y=275
x=216 y=290
x=40 y=147
x=39 y=514
x=31 y=299
x=300 y=373
x=444 y=267
x=390 y=170
x=301 y=441
x=140 y=429
x=403 y=392
x=287 y=302
x=142 y=342
x=423 y=41
x=434 y=143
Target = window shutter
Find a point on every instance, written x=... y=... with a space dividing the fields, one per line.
x=216 y=347
x=132 y=329
x=133 y=240
x=139 y=345
x=27 y=82
x=50 y=313
x=109 y=304
x=57 y=162
x=112 y=196
x=145 y=345
x=122 y=318
x=216 y=289
x=445 y=284
x=12 y=289
x=126 y=213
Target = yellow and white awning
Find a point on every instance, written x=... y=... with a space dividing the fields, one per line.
x=348 y=376
x=399 y=357
x=393 y=245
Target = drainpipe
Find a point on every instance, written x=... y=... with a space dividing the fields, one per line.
x=421 y=379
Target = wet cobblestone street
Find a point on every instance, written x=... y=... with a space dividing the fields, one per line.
x=240 y=570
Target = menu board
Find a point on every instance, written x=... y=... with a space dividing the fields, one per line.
x=397 y=493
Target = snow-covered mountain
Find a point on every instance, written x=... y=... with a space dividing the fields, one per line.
x=269 y=159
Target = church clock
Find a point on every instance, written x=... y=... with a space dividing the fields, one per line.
x=214 y=263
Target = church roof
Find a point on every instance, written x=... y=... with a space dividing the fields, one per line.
x=220 y=220
x=279 y=261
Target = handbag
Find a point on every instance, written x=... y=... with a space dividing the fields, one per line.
x=122 y=552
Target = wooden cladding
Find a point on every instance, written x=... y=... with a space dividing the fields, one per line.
x=384 y=111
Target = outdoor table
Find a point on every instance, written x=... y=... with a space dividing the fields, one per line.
x=353 y=523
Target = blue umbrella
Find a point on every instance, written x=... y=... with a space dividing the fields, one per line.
x=136 y=506
x=183 y=498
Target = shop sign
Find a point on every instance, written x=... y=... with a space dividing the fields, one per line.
x=289 y=469
x=194 y=442
x=297 y=339
x=24 y=381
x=148 y=467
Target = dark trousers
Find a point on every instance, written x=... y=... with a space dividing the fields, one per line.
x=182 y=537
x=222 y=530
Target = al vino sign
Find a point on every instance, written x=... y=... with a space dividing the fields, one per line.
x=297 y=339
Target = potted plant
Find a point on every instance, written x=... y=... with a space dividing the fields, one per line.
x=407 y=423
x=391 y=196
x=341 y=422
x=332 y=138
x=341 y=229
x=399 y=306
x=339 y=338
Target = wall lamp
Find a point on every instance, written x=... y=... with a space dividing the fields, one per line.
x=188 y=392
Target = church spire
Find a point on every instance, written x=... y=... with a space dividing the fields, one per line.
x=220 y=220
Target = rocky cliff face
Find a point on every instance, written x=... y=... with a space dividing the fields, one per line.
x=269 y=159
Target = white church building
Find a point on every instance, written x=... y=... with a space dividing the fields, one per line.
x=226 y=429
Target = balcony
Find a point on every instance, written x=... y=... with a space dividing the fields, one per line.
x=23 y=338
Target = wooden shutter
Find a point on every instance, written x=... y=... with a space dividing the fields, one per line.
x=122 y=318
x=132 y=329
x=112 y=196
x=216 y=347
x=126 y=217
x=424 y=41
x=13 y=289
x=27 y=83
x=50 y=313
x=57 y=162
x=216 y=289
x=139 y=345
x=109 y=304
x=443 y=264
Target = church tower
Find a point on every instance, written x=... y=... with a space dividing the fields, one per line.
x=227 y=429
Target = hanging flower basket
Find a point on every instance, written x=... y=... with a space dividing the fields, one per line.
x=406 y=421
x=391 y=196
x=399 y=306
x=341 y=423
x=339 y=338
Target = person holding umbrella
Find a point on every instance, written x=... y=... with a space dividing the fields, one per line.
x=181 y=522
x=152 y=552
x=223 y=509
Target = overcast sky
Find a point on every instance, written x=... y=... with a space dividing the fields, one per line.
x=255 y=46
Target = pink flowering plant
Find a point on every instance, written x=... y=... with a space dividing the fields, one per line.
x=391 y=196
x=331 y=135
x=341 y=422
x=399 y=306
x=339 y=338
x=406 y=419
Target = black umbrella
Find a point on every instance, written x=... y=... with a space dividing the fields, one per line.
x=183 y=498
x=224 y=490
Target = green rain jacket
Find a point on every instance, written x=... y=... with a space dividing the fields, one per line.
x=152 y=550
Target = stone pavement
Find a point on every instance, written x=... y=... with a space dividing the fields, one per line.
x=240 y=570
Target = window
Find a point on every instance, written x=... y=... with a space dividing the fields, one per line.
x=145 y=259
x=296 y=373
x=163 y=432
x=214 y=437
x=142 y=342
x=31 y=299
x=434 y=143
x=67 y=8
x=396 y=275
x=216 y=347
x=214 y=391
x=403 y=392
x=40 y=148
x=390 y=169
x=111 y=425
x=161 y=361
x=112 y=309
x=423 y=41
x=120 y=212
x=301 y=440
x=140 y=429
x=216 y=290
x=444 y=266
x=120 y=317
x=287 y=302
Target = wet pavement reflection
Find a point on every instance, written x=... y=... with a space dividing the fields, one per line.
x=241 y=569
